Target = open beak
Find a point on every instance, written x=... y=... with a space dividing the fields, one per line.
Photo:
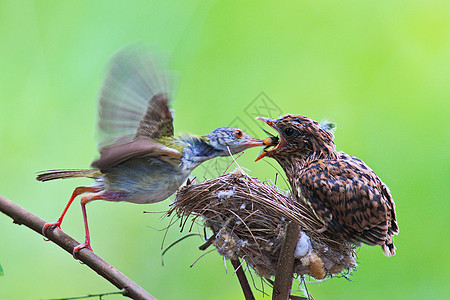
x=268 y=121
x=271 y=140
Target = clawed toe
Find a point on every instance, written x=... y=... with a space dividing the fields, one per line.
x=79 y=247
x=47 y=225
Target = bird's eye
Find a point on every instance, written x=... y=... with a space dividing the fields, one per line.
x=238 y=133
x=289 y=131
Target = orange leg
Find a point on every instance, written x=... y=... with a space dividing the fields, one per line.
x=78 y=191
x=84 y=200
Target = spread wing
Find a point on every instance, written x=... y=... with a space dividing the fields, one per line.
x=350 y=198
x=157 y=121
x=134 y=97
x=134 y=109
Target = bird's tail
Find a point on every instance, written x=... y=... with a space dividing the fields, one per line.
x=67 y=173
x=388 y=247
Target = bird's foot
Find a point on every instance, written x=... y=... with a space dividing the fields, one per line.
x=47 y=225
x=86 y=245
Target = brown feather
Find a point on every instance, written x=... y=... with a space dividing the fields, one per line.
x=67 y=173
x=342 y=190
x=347 y=193
x=138 y=147
x=157 y=121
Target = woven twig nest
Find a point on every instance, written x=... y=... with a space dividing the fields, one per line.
x=248 y=219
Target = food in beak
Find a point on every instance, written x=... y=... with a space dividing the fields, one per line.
x=268 y=142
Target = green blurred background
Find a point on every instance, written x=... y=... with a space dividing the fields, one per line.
x=379 y=70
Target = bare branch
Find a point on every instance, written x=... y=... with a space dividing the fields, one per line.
x=242 y=279
x=21 y=216
x=285 y=268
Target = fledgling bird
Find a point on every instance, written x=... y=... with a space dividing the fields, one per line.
x=141 y=161
x=343 y=192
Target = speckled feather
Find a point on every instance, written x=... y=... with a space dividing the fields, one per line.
x=350 y=197
x=343 y=191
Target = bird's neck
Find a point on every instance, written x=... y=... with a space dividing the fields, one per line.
x=196 y=150
x=291 y=166
x=295 y=162
x=298 y=159
x=171 y=142
x=323 y=150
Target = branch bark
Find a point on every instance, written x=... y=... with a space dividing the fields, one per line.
x=248 y=294
x=21 y=216
x=285 y=268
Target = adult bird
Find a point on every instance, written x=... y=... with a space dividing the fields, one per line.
x=141 y=161
x=343 y=192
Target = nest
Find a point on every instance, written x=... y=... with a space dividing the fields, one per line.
x=248 y=219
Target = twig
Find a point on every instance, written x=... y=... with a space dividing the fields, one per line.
x=207 y=243
x=308 y=295
x=176 y=242
x=22 y=216
x=92 y=295
x=242 y=279
x=292 y=297
x=285 y=267
x=201 y=256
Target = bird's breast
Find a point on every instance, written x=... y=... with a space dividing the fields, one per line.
x=144 y=180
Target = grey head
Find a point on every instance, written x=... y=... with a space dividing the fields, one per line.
x=135 y=119
x=222 y=141
x=226 y=140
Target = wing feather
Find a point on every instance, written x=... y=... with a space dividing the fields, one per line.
x=348 y=194
x=134 y=78
x=138 y=147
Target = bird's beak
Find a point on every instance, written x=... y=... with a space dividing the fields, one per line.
x=268 y=121
x=270 y=141
x=254 y=143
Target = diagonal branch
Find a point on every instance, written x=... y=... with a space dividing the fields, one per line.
x=248 y=294
x=22 y=216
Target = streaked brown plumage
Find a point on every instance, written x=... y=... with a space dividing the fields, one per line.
x=342 y=190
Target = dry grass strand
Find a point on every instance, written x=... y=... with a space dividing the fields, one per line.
x=248 y=219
